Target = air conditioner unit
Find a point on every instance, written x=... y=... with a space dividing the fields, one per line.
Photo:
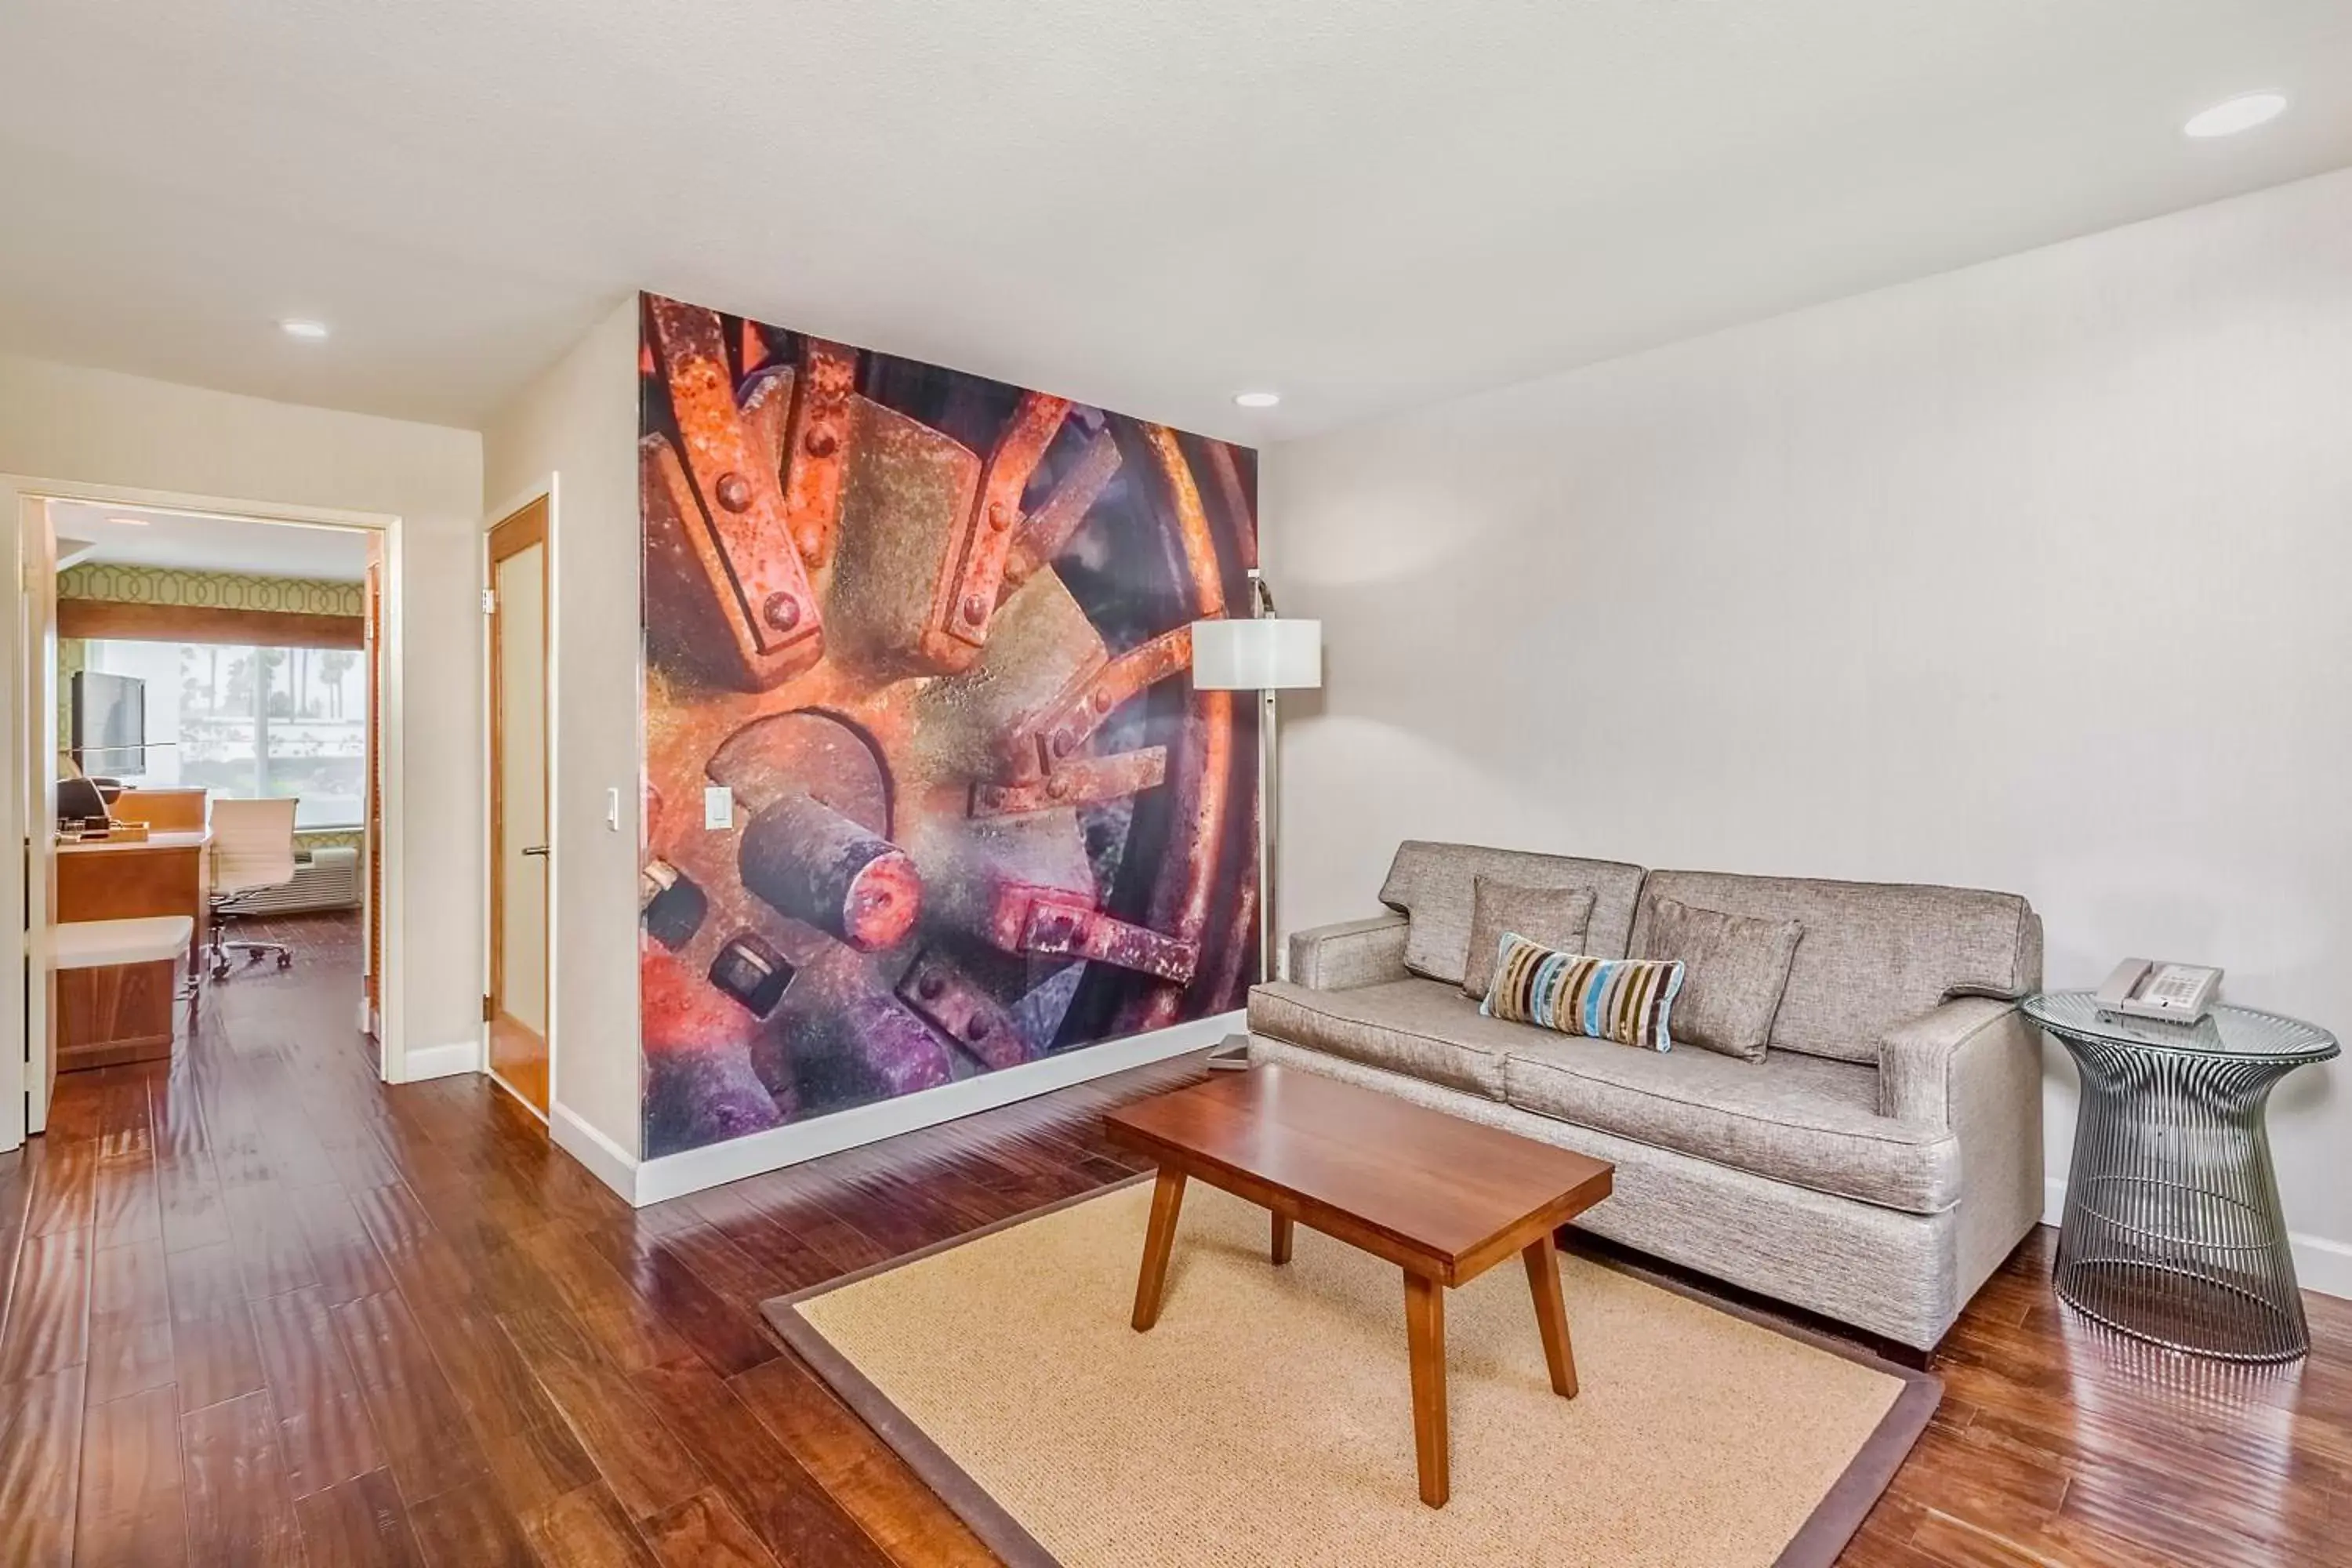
x=325 y=879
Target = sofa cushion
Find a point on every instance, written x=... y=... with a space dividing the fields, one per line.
x=1623 y=1000
x=1874 y=953
x=1806 y=1120
x=1555 y=917
x=1433 y=884
x=1423 y=1028
x=1739 y=966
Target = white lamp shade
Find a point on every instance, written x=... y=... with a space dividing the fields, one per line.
x=1263 y=655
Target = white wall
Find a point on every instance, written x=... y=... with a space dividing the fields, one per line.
x=93 y=426
x=578 y=423
x=2032 y=576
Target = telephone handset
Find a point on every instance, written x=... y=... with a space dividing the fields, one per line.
x=2176 y=993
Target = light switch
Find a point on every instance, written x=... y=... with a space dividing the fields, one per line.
x=613 y=809
x=718 y=807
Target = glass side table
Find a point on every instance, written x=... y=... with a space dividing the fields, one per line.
x=2173 y=1232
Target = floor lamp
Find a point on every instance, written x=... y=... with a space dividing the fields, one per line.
x=1264 y=654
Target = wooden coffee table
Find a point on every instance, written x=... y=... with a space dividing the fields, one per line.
x=1443 y=1198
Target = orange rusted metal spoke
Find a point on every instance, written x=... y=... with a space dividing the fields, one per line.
x=1088 y=781
x=965 y=598
x=740 y=554
x=1045 y=532
x=1054 y=737
x=816 y=447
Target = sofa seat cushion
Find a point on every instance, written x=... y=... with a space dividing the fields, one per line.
x=1807 y=1120
x=1423 y=1029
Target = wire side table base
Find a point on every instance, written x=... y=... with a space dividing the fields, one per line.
x=2173 y=1231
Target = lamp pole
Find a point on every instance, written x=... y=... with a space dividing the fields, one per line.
x=1268 y=802
x=1263 y=654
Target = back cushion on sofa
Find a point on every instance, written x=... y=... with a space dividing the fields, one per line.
x=1874 y=953
x=1555 y=917
x=1434 y=884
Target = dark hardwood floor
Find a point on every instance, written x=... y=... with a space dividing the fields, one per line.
x=261 y=1310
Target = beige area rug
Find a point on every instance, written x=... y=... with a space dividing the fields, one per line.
x=1266 y=1418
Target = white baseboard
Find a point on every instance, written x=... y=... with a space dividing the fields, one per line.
x=2323 y=1265
x=2320 y=1263
x=607 y=1160
x=421 y=1062
x=695 y=1169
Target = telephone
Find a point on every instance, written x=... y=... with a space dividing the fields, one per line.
x=2176 y=993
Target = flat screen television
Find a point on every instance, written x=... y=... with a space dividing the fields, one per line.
x=109 y=722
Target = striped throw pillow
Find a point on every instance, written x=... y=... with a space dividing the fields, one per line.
x=1622 y=999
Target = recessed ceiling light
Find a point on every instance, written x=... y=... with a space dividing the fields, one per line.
x=2235 y=114
x=298 y=328
x=1257 y=399
x=130 y=521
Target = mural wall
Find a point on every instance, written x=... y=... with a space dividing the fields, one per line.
x=929 y=634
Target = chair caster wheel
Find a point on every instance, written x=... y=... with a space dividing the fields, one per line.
x=220 y=971
x=285 y=961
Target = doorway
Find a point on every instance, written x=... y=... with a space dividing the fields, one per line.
x=516 y=1007
x=179 y=656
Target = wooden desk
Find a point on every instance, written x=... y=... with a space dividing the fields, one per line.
x=117 y=879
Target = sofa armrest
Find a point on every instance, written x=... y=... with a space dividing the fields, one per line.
x=1924 y=1062
x=1351 y=953
x=1973 y=1066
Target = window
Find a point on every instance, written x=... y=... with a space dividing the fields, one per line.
x=252 y=721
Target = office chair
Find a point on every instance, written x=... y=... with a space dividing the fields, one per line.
x=81 y=798
x=253 y=848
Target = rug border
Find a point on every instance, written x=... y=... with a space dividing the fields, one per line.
x=1817 y=1543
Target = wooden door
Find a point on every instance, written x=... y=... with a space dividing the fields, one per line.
x=519 y=842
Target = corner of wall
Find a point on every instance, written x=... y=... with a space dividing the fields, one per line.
x=576 y=426
x=607 y=1160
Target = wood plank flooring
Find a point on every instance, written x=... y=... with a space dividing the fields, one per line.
x=255 y=1307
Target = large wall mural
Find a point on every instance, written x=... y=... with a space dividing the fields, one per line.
x=930 y=633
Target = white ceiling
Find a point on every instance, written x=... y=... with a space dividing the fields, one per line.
x=1361 y=203
x=200 y=543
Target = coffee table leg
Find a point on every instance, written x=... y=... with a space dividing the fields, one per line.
x=1424 y=1332
x=1281 y=1238
x=1551 y=1314
x=1167 y=1197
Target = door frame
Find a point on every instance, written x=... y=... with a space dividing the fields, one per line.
x=33 y=793
x=543 y=492
x=21 y=499
x=376 y=610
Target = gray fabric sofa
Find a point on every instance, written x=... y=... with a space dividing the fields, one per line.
x=1876 y=1167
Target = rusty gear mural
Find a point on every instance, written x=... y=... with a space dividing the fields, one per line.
x=933 y=633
